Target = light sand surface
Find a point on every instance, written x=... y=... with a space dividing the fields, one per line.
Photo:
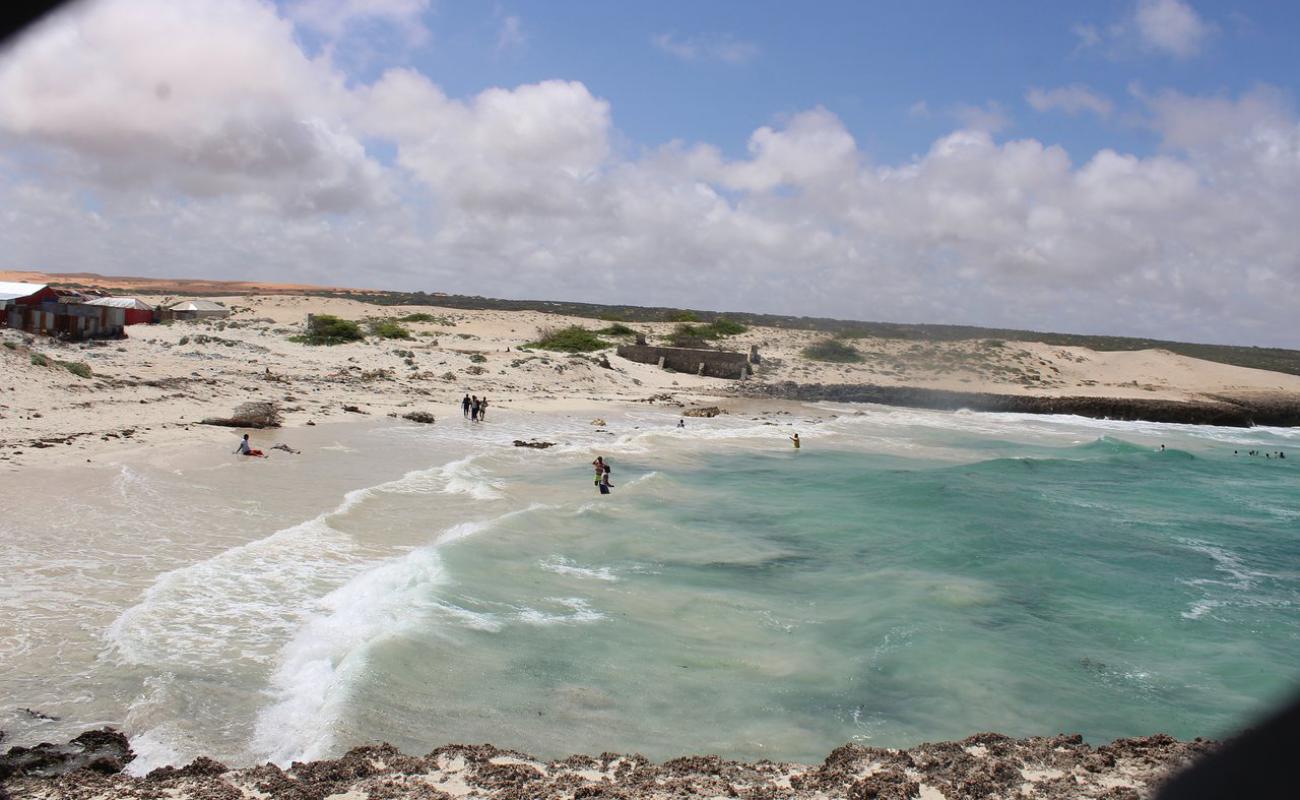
x=155 y=386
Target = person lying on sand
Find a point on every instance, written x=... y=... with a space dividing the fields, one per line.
x=245 y=449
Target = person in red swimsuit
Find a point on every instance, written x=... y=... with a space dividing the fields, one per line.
x=247 y=450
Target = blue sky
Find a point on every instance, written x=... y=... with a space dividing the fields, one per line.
x=868 y=62
x=1125 y=167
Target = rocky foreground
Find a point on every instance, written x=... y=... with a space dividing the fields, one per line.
x=987 y=765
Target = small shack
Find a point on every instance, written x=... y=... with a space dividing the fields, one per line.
x=38 y=308
x=137 y=311
x=197 y=309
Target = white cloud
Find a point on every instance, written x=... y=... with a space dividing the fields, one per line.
x=724 y=47
x=336 y=18
x=1088 y=35
x=207 y=97
x=1172 y=27
x=1167 y=27
x=1072 y=100
x=511 y=33
x=118 y=157
x=989 y=117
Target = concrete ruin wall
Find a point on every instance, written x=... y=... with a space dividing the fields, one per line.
x=716 y=363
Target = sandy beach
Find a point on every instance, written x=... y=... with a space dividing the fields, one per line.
x=156 y=385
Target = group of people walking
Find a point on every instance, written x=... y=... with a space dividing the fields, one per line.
x=475 y=408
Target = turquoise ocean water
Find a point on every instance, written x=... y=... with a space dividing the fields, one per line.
x=904 y=577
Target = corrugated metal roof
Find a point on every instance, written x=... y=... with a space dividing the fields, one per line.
x=11 y=290
x=121 y=302
x=199 y=305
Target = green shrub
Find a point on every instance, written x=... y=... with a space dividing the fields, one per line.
x=611 y=316
x=832 y=350
x=184 y=340
x=478 y=358
x=725 y=327
x=573 y=339
x=617 y=329
x=78 y=368
x=422 y=316
x=683 y=316
x=685 y=335
x=328 y=329
x=40 y=360
x=11 y=345
x=388 y=329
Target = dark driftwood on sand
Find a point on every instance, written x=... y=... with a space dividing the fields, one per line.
x=249 y=415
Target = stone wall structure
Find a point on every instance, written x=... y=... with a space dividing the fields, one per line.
x=709 y=363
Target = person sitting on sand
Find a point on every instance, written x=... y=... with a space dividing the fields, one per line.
x=464 y=406
x=246 y=449
x=795 y=439
x=604 y=483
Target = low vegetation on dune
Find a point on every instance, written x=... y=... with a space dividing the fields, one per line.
x=436 y=319
x=617 y=329
x=832 y=350
x=327 y=329
x=688 y=335
x=79 y=368
x=388 y=329
x=573 y=339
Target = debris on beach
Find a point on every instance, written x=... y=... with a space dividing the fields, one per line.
x=534 y=444
x=423 y=417
x=703 y=411
x=256 y=414
x=286 y=448
x=598 y=422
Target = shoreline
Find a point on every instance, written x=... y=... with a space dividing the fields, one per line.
x=1273 y=410
x=155 y=386
x=982 y=765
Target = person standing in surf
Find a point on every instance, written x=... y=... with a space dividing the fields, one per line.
x=473 y=408
x=604 y=483
x=464 y=406
x=599 y=464
x=795 y=439
x=482 y=409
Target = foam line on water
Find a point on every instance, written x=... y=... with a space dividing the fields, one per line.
x=565 y=566
x=322 y=663
x=248 y=600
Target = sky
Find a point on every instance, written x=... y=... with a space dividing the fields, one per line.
x=1125 y=167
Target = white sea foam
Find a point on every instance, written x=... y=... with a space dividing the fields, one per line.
x=580 y=611
x=564 y=566
x=1240 y=581
x=463 y=477
x=321 y=664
